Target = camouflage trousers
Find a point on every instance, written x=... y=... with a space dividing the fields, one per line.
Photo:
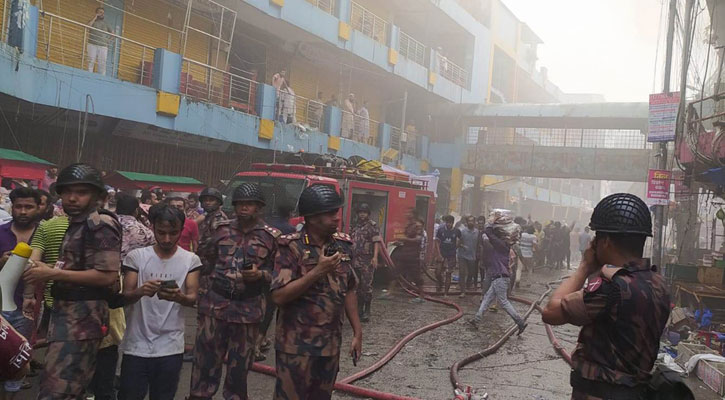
x=69 y=368
x=305 y=377
x=365 y=272
x=216 y=339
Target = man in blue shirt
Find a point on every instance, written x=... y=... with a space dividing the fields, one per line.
x=448 y=239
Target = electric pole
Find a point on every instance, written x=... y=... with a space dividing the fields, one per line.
x=659 y=211
x=662 y=146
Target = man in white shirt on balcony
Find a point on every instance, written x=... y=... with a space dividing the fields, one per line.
x=348 y=123
x=98 y=41
x=364 y=118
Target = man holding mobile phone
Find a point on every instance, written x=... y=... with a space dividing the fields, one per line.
x=622 y=308
x=314 y=285
x=158 y=281
x=238 y=261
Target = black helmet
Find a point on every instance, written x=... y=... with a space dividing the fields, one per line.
x=318 y=199
x=211 y=192
x=79 y=174
x=622 y=213
x=363 y=207
x=248 y=192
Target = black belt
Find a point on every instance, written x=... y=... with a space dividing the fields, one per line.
x=79 y=293
x=493 y=278
x=605 y=390
x=229 y=292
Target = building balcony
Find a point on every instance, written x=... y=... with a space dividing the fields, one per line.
x=152 y=77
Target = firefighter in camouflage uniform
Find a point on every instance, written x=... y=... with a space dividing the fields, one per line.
x=365 y=238
x=314 y=284
x=87 y=268
x=622 y=309
x=237 y=262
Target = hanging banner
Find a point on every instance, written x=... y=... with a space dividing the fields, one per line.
x=658 y=187
x=682 y=192
x=663 y=116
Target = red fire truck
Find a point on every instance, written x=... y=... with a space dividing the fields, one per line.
x=392 y=198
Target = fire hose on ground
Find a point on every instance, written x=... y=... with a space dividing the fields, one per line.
x=345 y=384
x=533 y=305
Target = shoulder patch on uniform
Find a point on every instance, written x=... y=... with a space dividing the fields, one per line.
x=342 y=236
x=608 y=271
x=593 y=285
x=284 y=239
x=221 y=222
x=272 y=231
x=372 y=222
x=97 y=220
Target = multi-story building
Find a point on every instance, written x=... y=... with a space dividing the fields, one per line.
x=516 y=78
x=192 y=88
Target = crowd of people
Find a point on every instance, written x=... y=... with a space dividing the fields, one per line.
x=110 y=273
x=108 y=276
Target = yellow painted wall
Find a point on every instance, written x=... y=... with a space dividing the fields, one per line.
x=64 y=42
x=152 y=24
x=158 y=24
x=4 y=13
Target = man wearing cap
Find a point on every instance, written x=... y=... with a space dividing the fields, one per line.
x=313 y=283
x=86 y=269
x=237 y=261
x=365 y=237
x=622 y=308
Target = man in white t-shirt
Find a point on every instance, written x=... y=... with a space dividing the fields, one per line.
x=158 y=281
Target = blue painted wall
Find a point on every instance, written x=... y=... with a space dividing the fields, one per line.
x=55 y=85
x=445 y=155
x=317 y=22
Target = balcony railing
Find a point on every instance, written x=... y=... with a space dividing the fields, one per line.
x=411 y=48
x=299 y=110
x=64 y=41
x=368 y=23
x=404 y=141
x=359 y=129
x=327 y=6
x=309 y=112
x=203 y=82
x=451 y=71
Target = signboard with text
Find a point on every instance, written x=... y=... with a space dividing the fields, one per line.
x=682 y=192
x=662 y=116
x=658 y=187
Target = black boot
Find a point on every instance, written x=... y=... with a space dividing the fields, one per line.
x=365 y=312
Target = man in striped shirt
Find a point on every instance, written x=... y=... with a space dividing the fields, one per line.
x=46 y=247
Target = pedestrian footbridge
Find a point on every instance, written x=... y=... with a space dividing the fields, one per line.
x=605 y=141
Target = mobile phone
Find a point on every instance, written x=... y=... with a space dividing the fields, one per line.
x=354 y=358
x=169 y=284
x=332 y=249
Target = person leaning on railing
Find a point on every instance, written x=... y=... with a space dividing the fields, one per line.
x=98 y=41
